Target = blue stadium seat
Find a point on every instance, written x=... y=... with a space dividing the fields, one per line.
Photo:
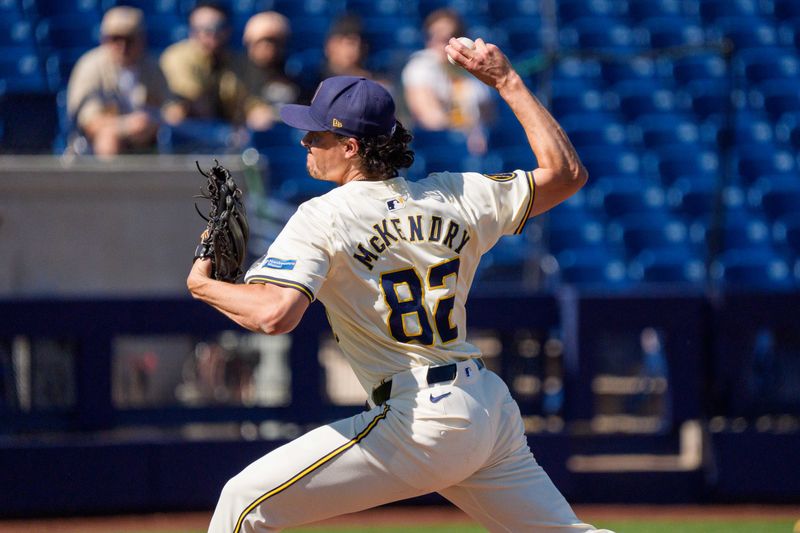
x=452 y=160
x=305 y=66
x=573 y=69
x=746 y=31
x=713 y=10
x=511 y=158
x=700 y=66
x=586 y=234
x=70 y=31
x=21 y=70
x=573 y=212
x=672 y=162
x=671 y=265
x=299 y=190
x=62 y=62
x=642 y=230
x=505 y=134
x=742 y=230
x=610 y=160
x=789 y=31
x=506 y=9
x=641 y=10
x=388 y=62
x=745 y=269
x=149 y=7
x=777 y=196
x=12 y=11
x=786 y=233
x=572 y=10
x=781 y=97
x=278 y=136
x=664 y=129
x=308 y=33
x=664 y=32
x=763 y=160
x=638 y=68
x=709 y=97
x=16 y=33
x=585 y=132
x=464 y=7
x=385 y=33
x=437 y=139
x=761 y=64
x=524 y=35
x=787 y=129
x=165 y=29
x=786 y=9
x=608 y=35
x=693 y=196
x=298 y=9
x=506 y=261
x=381 y=8
x=285 y=163
x=49 y=8
x=748 y=129
x=591 y=267
x=623 y=196
x=574 y=96
x=642 y=97
x=198 y=137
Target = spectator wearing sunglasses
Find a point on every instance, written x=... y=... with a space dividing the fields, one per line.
x=206 y=75
x=116 y=93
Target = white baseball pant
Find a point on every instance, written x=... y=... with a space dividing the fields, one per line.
x=463 y=439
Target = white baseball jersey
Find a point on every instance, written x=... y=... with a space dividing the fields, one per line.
x=393 y=262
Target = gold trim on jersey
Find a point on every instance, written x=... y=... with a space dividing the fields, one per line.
x=501 y=176
x=311 y=468
x=283 y=283
x=532 y=187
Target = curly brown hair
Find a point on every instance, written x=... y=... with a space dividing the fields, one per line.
x=383 y=155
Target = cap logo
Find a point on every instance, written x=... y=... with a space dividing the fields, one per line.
x=337 y=123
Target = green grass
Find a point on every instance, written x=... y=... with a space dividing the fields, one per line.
x=627 y=526
x=618 y=526
x=698 y=526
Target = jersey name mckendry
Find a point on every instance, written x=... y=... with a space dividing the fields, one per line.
x=413 y=228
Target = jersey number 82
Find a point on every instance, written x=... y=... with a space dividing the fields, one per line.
x=404 y=294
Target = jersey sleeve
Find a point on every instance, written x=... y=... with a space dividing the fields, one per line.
x=300 y=257
x=500 y=203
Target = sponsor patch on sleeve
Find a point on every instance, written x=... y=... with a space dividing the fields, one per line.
x=280 y=264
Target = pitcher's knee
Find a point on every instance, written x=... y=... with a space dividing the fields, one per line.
x=242 y=504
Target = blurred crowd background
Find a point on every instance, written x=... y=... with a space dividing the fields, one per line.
x=685 y=112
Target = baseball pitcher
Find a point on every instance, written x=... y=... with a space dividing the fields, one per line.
x=393 y=261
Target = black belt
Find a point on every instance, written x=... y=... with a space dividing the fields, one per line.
x=436 y=374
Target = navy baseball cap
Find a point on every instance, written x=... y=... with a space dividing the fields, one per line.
x=347 y=105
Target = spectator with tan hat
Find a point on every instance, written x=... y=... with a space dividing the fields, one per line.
x=116 y=92
x=265 y=37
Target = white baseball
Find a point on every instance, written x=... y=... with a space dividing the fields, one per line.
x=466 y=41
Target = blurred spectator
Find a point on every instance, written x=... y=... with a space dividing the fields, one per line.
x=115 y=90
x=265 y=37
x=345 y=49
x=207 y=76
x=442 y=96
x=345 y=53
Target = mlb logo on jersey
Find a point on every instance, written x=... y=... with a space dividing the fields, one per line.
x=396 y=203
